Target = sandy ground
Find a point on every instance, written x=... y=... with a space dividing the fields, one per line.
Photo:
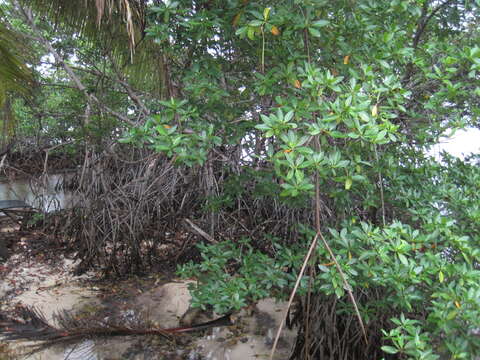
x=49 y=287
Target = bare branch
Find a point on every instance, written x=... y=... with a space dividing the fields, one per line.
x=201 y=232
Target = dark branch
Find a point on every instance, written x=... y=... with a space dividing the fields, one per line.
x=424 y=20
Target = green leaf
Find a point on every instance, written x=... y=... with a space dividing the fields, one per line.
x=255 y=23
x=364 y=116
x=403 y=259
x=387 y=37
x=389 y=349
x=288 y=116
x=320 y=23
x=452 y=314
x=381 y=135
x=251 y=33
x=263 y=127
x=314 y=32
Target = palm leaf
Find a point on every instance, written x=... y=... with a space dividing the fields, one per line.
x=117 y=21
x=14 y=74
x=15 y=78
x=110 y=25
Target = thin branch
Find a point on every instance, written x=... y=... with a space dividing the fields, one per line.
x=130 y=91
x=201 y=232
x=292 y=295
x=313 y=245
x=47 y=152
x=348 y=288
x=2 y=162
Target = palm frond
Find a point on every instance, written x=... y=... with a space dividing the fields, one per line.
x=15 y=79
x=33 y=326
x=110 y=25
x=15 y=76
x=115 y=22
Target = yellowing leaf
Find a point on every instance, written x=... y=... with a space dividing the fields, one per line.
x=297 y=84
x=328 y=264
x=346 y=59
x=167 y=126
x=251 y=33
x=375 y=110
x=286 y=151
x=348 y=183
x=275 y=31
x=441 y=277
x=266 y=11
x=457 y=304
x=236 y=19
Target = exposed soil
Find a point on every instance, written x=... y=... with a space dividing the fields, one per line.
x=39 y=273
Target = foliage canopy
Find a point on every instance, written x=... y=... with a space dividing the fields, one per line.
x=287 y=104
